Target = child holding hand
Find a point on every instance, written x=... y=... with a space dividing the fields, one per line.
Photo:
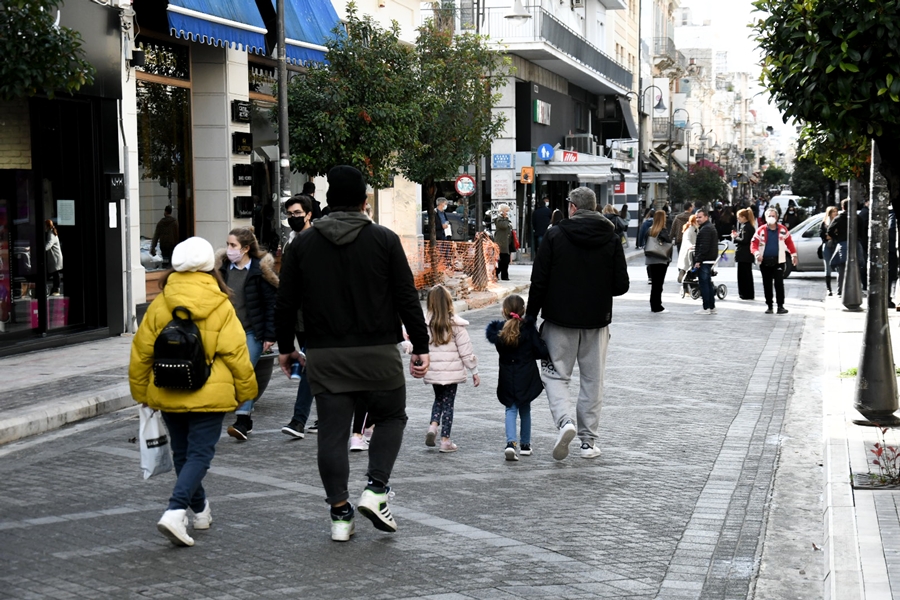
x=520 y=346
x=451 y=355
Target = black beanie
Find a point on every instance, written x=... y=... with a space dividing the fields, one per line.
x=346 y=187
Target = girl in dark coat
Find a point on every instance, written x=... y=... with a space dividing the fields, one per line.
x=742 y=255
x=519 y=345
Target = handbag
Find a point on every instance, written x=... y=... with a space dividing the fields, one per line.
x=515 y=238
x=155 y=455
x=656 y=248
x=819 y=252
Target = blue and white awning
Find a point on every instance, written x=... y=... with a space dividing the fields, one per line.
x=307 y=24
x=235 y=23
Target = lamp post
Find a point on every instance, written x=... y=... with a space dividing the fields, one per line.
x=669 y=162
x=658 y=107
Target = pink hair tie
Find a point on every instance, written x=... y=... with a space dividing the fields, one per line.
x=515 y=316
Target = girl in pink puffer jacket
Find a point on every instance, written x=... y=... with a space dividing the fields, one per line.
x=451 y=354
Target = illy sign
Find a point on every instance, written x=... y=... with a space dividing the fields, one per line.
x=570 y=157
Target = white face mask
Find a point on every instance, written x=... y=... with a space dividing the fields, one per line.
x=771 y=220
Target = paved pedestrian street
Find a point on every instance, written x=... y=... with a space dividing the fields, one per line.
x=676 y=507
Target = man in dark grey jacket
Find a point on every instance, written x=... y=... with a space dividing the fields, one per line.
x=353 y=282
x=579 y=269
x=706 y=249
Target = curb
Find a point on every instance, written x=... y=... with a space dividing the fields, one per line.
x=55 y=415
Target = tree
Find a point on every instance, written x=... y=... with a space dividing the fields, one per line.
x=458 y=77
x=702 y=184
x=38 y=56
x=361 y=108
x=775 y=177
x=809 y=181
x=834 y=63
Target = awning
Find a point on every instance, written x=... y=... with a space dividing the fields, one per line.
x=587 y=173
x=625 y=107
x=307 y=24
x=235 y=23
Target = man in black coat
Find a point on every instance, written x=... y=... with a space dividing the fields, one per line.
x=540 y=221
x=353 y=282
x=578 y=271
x=706 y=249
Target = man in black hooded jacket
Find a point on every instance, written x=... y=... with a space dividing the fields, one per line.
x=579 y=269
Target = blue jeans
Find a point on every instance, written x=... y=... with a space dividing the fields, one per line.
x=193 y=437
x=704 y=275
x=255 y=347
x=303 y=403
x=524 y=412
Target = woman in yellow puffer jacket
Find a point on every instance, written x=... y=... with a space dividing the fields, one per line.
x=193 y=418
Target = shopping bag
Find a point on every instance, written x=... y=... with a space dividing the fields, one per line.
x=515 y=238
x=155 y=455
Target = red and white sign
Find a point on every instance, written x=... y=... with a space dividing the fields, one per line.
x=619 y=188
x=570 y=156
x=465 y=185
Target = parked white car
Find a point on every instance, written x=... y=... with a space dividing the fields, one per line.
x=807 y=241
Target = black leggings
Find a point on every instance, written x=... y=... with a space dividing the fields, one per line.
x=772 y=275
x=442 y=409
x=503 y=266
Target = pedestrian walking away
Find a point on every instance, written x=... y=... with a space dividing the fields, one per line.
x=769 y=245
x=450 y=349
x=540 y=221
x=354 y=284
x=520 y=347
x=706 y=251
x=193 y=418
x=573 y=282
x=166 y=236
x=657 y=256
x=744 y=258
x=829 y=245
x=250 y=275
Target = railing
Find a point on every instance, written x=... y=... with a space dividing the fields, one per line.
x=545 y=28
x=660 y=128
x=664 y=46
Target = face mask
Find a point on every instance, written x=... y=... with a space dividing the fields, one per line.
x=234 y=254
x=771 y=220
x=297 y=223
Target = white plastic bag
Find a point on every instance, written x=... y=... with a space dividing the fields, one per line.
x=155 y=455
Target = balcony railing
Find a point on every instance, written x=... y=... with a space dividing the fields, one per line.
x=545 y=28
x=665 y=46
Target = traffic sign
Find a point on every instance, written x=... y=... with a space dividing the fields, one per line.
x=545 y=152
x=527 y=176
x=465 y=185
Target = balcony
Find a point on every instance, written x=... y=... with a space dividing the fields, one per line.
x=664 y=47
x=549 y=43
x=662 y=132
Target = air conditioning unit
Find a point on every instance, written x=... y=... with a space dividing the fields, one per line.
x=581 y=143
x=577 y=3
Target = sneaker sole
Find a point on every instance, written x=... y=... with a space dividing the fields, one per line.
x=561 y=450
x=292 y=432
x=173 y=535
x=510 y=454
x=376 y=519
x=524 y=452
x=591 y=455
x=237 y=434
x=358 y=449
x=429 y=438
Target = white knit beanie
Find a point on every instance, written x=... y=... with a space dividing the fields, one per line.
x=193 y=254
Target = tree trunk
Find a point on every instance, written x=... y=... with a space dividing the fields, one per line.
x=889 y=149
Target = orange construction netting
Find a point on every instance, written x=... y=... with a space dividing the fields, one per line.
x=476 y=259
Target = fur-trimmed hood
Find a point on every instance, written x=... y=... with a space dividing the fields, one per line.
x=266 y=265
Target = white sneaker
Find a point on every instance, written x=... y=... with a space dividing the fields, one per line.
x=589 y=451
x=702 y=311
x=374 y=506
x=341 y=530
x=173 y=525
x=712 y=311
x=203 y=519
x=358 y=444
x=566 y=435
x=510 y=451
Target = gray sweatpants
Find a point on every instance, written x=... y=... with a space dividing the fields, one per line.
x=588 y=347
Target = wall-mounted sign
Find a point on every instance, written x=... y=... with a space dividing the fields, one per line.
x=115 y=186
x=570 y=156
x=65 y=212
x=465 y=185
x=241 y=143
x=242 y=174
x=243 y=207
x=240 y=111
x=527 y=176
x=541 y=112
x=619 y=188
x=545 y=152
x=502 y=186
x=501 y=161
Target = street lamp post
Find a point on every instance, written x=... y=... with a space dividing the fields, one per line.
x=659 y=107
x=669 y=162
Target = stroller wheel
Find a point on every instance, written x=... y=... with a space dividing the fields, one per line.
x=695 y=292
x=721 y=291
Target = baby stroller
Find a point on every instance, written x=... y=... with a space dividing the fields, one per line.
x=690 y=285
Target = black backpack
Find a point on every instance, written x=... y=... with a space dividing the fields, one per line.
x=179 y=361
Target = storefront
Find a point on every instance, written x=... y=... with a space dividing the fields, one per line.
x=61 y=184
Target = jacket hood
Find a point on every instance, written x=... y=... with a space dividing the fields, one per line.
x=341 y=228
x=266 y=265
x=197 y=292
x=588 y=228
x=492 y=331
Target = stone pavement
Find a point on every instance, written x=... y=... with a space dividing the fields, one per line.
x=710 y=484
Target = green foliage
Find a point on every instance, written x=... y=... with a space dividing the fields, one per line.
x=361 y=108
x=808 y=180
x=840 y=157
x=38 y=57
x=703 y=184
x=774 y=177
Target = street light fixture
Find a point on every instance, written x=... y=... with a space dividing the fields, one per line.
x=671 y=144
x=518 y=15
x=659 y=107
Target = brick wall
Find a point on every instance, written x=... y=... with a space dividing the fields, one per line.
x=15 y=136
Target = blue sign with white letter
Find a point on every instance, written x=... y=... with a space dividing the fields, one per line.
x=545 y=152
x=502 y=161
